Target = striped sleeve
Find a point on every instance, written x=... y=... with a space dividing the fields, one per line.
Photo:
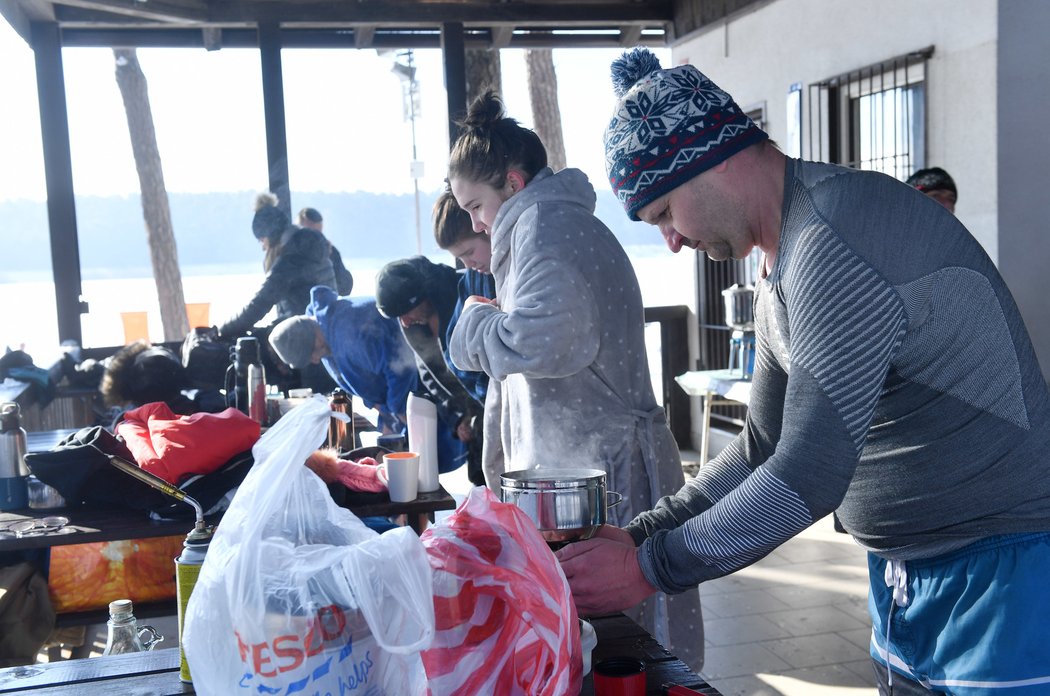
x=845 y=323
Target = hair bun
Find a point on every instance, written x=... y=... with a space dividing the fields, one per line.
x=484 y=111
x=632 y=66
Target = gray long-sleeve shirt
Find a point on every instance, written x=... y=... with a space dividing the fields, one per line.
x=894 y=381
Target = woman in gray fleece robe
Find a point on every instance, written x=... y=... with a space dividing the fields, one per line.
x=563 y=342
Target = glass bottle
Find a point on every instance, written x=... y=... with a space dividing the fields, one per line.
x=125 y=635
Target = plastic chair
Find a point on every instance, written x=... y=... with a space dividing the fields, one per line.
x=136 y=326
x=198 y=314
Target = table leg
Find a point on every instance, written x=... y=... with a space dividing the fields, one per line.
x=419 y=522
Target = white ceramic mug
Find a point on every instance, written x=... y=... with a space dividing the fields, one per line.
x=402 y=472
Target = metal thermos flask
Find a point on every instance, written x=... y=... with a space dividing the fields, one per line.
x=341 y=433
x=257 y=394
x=14 y=491
x=248 y=384
x=187 y=570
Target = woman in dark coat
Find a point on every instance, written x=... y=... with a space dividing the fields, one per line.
x=297 y=259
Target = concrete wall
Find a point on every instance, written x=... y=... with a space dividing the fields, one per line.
x=987 y=103
x=988 y=100
x=1023 y=106
x=758 y=54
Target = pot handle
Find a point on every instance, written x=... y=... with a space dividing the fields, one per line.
x=613 y=499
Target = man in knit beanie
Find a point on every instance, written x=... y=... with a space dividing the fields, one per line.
x=894 y=384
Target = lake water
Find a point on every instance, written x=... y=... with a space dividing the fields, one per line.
x=27 y=309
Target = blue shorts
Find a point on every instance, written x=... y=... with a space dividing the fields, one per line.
x=976 y=622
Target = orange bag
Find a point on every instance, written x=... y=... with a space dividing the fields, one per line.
x=89 y=576
x=506 y=622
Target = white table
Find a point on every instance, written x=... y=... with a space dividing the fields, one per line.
x=717 y=388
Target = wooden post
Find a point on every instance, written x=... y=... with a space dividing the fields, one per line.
x=453 y=49
x=58 y=175
x=273 y=111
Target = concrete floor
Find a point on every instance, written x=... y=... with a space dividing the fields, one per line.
x=794 y=624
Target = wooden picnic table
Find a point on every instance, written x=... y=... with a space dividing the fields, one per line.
x=157 y=672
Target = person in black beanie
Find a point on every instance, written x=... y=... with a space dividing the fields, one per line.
x=937 y=184
x=423 y=296
x=296 y=260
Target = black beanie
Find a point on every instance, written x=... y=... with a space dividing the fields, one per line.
x=269 y=221
x=402 y=285
x=932 y=179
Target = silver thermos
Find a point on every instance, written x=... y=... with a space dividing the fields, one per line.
x=14 y=492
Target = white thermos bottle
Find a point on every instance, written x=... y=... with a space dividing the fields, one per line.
x=422 y=439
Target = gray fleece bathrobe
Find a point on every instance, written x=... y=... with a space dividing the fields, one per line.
x=565 y=349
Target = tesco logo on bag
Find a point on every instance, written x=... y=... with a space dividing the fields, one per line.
x=326 y=631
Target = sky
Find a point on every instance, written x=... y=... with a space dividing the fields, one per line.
x=344 y=114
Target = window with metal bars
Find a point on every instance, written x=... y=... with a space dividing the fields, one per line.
x=714 y=277
x=872 y=118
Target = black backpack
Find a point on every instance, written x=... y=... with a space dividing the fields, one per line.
x=205 y=358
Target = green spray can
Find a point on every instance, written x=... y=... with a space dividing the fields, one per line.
x=187 y=570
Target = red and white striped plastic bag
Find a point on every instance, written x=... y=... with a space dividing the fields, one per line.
x=506 y=623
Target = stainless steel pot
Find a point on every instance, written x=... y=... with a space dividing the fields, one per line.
x=740 y=307
x=566 y=504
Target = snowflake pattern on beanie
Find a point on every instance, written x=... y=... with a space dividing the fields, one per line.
x=669 y=126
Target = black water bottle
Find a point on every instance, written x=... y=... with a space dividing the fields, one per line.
x=248 y=379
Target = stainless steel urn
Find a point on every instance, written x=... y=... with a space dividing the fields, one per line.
x=739 y=306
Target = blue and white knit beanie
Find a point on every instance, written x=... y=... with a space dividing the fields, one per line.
x=669 y=126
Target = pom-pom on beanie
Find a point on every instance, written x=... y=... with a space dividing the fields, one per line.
x=293 y=340
x=269 y=221
x=669 y=126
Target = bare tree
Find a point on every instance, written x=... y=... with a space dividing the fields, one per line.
x=156 y=213
x=483 y=72
x=546 y=114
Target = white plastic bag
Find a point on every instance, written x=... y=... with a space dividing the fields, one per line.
x=297 y=595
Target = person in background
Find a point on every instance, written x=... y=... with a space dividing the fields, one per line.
x=894 y=382
x=364 y=352
x=454 y=233
x=297 y=259
x=344 y=281
x=937 y=184
x=142 y=373
x=564 y=341
x=422 y=296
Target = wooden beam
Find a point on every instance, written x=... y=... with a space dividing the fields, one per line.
x=211 y=37
x=630 y=36
x=501 y=36
x=21 y=14
x=58 y=176
x=364 y=35
x=151 y=10
x=392 y=12
x=331 y=38
x=273 y=112
x=454 y=53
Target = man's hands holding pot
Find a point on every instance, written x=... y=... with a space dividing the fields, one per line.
x=603 y=572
